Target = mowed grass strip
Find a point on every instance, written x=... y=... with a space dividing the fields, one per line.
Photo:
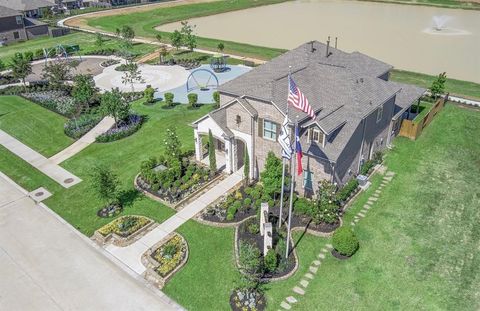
x=144 y=24
x=86 y=41
x=33 y=125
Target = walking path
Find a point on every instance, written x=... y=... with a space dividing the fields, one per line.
x=131 y=255
x=300 y=289
x=46 y=264
x=44 y=165
x=84 y=141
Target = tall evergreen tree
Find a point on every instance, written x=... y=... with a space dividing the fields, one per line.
x=246 y=166
x=211 y=152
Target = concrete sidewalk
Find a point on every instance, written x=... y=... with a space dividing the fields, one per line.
x=44 y=165
x=45 y=264
x=84 y=141
x=131 y=255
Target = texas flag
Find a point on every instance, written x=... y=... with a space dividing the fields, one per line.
x=298 y=151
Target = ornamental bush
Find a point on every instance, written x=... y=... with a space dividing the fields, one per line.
x=270 y=261
x=347 y=190
x=345 y=241
x=168 y=97
x=303 y=207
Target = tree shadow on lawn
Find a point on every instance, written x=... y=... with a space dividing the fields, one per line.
x=128 y=197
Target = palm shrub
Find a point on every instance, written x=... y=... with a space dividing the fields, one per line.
x=345 y=241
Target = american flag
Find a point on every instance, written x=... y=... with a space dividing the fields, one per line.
x=297 y=99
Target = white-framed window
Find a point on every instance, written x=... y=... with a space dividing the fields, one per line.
x=19 y=20
x=379 y=113
x=269 y=130
x=317 y=136
x=308 y=179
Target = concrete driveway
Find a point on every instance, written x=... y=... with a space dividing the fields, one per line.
x=46 y=265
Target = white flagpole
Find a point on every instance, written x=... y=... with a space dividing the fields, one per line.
x=292 y=186
x=280 y=217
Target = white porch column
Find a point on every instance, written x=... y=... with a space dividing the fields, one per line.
x=198 y=145
x=228 y=156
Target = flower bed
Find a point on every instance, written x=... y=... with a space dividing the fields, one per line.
x=165 y=258
x=79 y=127
x=58 y=101
x=110 y=62
x=123 y=230
x=169 y=255
x=172 y=181
x=247 y=300
x=122 y=130
x=249 y=232
x=237 y=205
x=124 y=226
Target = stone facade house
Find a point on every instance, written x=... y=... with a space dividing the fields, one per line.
x=358 y=111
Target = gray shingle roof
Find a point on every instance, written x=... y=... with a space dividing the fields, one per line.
x=7 y=12
x=220 y=117
x=26 y=5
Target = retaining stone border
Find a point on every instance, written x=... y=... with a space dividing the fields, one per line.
x=117 y=240
x=151 y=264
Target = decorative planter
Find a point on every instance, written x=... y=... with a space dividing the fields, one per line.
x=122 y=241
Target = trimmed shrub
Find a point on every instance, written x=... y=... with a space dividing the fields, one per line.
x=247 y=202
x=253 y=228
x=168 y=97
x=216 y=99
x=231 y=211
x=270 y=261
x=303 y=207
x=347 y=190
x=367 y=166
x=345 y=241
x=192 y=99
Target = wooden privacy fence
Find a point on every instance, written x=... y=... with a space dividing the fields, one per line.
x=413 y=129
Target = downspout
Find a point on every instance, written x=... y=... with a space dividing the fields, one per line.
x=364 y=120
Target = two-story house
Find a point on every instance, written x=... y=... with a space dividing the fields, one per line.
x=357 y=113
x=15 y=27
x=29 y=8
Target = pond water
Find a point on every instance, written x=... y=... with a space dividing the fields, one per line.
x=416 y=38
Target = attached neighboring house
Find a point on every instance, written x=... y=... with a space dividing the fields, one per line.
x=29 y=8
x=15 y=27
x=358 y=112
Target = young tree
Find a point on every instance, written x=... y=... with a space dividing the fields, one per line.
x=221 y=47
x=84 y=89
x=99 y=39
x=127 y=34
x=105 y=183
x=189 y=39
x=272 y=175
x=114 y=105
x=176 y=39
x=192 y=99
x=212 y=158
x=163 y=54
x=216 y=98
x=56 y=72
x=132 y=74
x=246 y=166
x=173 y=145
x=438 y=85
x=21 y=68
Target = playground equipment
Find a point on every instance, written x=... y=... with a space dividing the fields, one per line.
x=201 y=79
x=218 y=62
x=60 y=52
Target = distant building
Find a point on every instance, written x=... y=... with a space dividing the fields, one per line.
x=29 y=8
x=15 y=27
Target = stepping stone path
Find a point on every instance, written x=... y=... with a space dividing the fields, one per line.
x=371 y=200
x=300 y=289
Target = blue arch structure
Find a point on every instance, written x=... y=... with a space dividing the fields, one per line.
x=199 y=85
x=61 y=51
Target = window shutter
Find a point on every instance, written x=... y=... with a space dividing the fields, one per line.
x=260 y=127
x=277 y=126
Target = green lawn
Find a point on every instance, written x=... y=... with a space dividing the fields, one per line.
x=85 y=40
x=33 y=125
x=424 y=109
x=452 y=86
x=144 y=24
